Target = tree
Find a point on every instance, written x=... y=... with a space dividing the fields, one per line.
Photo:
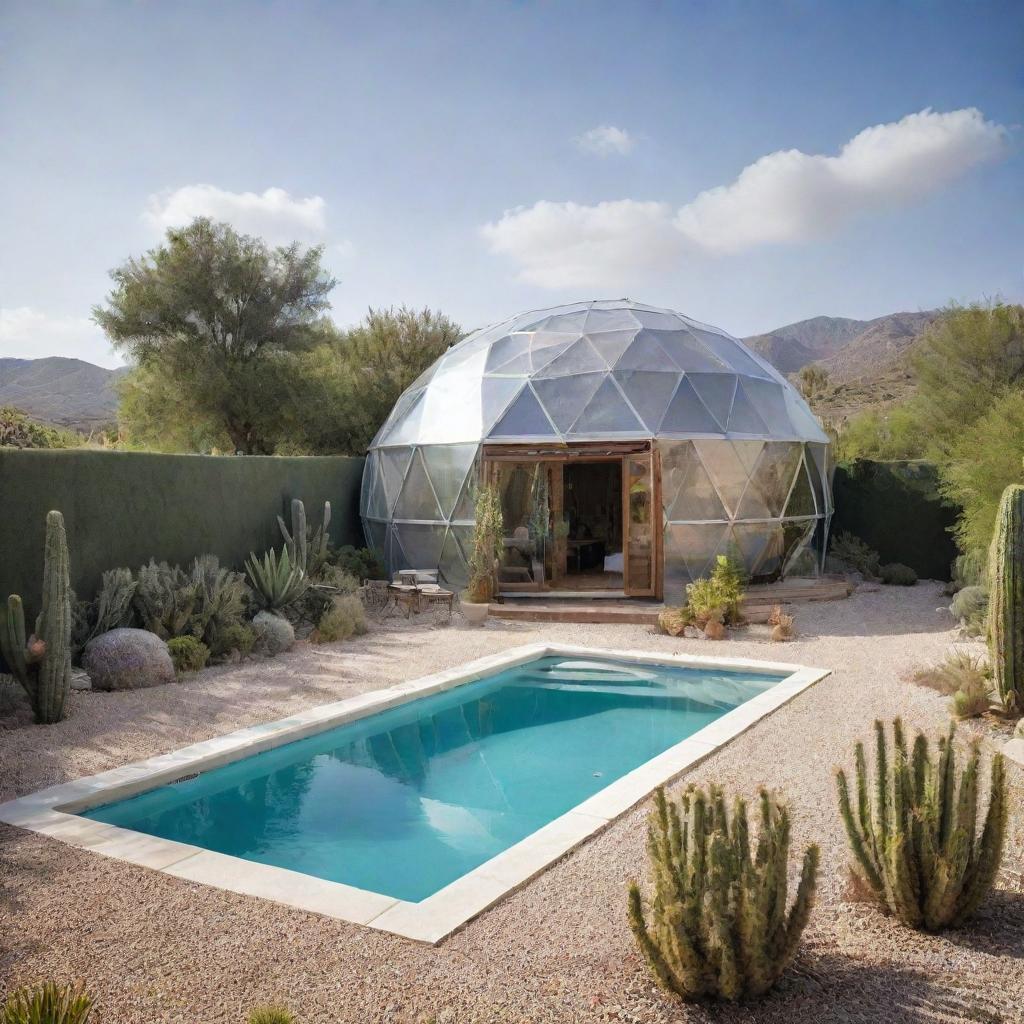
x=880 y=434
x=217 y=320
x=967 y=360
x=349 y=385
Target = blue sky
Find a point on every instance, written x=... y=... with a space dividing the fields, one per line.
x=487 y=158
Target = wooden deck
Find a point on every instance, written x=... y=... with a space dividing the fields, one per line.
x=756 y=607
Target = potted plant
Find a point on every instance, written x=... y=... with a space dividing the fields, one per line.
x=484 y=557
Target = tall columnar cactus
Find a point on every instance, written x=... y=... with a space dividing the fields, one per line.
x=916 y=845
x=42 y=662
x=718 y=924
x=1006 y=599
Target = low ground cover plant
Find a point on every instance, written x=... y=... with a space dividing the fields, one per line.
x=271 y=1015
x=970 y=608
x=896 y=574
x=718 y=923
x=188 y=653
x=915 y=844
x=966 y=677
x=854 y=554
x=345 y=618
x=274 y=633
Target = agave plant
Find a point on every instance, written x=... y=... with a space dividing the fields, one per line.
x=277 y=582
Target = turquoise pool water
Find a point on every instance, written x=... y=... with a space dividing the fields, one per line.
x=406 y=801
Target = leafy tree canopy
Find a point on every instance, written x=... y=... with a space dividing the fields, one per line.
x=216 y=320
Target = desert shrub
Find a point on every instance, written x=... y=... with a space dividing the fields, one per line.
x=970 y=609
x=970 y=569
x=271 y=1015
x=236 y=637
x=896 y=574
x=782 y=625
x=345 y=618
x=853 y=553
x=674 y=620
x=331 y=582
x=362 y=563
x=48 y=1003
x=188 y=653
x=719 y=595
x=165 y=600
x=915 y=844
x=274 y=633
x=718 y=924
x=278 y=583
x=960 y=671
x=222 y=599
x=20 y=431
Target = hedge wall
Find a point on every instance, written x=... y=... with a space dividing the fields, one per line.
x=121 y=508
x=896 y=508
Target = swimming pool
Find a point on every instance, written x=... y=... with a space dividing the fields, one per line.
x=404 y=809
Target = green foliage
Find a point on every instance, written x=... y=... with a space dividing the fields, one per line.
x=42 y=662
x=970 y=609
x=966 y=677
x=222 y=600
x=915 y=842
x=48 y=1003
x=347 y=386
x=17 y=430
x=165 y=600
x=271 y=1015
x=970 y=357
x=235 y=638
x=1006 y=599
x=307 y=546
x=811 y=381
x=881 y=435
x=278 y=583
x=854 y=554
x=344 y=618
x=274 y=633
x=718 y=923
x=219 y=319
x=188 y=653
x=719 y=594
x=488 y=531
x=896 y=574
x=362 y=563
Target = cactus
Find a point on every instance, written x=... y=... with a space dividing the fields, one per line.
x=277 y=581
x=307 y=549
x=718 y=924
x=1006 y=599
x=42 y=663
x=915 y=844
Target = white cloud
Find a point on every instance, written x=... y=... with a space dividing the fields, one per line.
x=27 y=333
x=274 y=214
x=568 y=245
x=785 y=197
x=792 y=196
x=606 y=140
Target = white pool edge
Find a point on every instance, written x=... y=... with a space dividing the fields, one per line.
x=54 y=812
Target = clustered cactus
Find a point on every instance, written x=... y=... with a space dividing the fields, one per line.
x=42 y=662
x=307 y=549
x=915 y=844
x=1006 y=599
x=718 y=924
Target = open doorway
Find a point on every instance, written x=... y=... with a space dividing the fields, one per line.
x=578 y=519
x=592 y=510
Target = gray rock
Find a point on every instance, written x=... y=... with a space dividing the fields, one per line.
x=127 y=659
x=80 y=680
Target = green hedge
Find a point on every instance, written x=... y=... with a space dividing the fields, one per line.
x=896 y=508
x=121 y=508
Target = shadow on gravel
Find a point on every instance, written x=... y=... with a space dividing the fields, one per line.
x=997 y=929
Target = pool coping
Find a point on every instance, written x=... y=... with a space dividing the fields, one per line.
x=54 y=812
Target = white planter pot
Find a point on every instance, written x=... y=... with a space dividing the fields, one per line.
x=474 y=614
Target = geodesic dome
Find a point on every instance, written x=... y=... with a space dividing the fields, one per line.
x=743 y=462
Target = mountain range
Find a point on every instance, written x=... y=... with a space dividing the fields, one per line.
x=866 y=361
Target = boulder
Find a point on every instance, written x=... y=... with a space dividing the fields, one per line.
x=127 y=659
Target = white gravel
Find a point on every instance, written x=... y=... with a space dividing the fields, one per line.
x=156 y=949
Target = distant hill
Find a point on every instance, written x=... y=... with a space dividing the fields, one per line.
x=64 y=392
x=866 y=360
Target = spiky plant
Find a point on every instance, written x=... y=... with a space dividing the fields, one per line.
x=915 y=843
x=277 y=581
x=271 y=1015
x=1006 y=599
x=308 y=547
x=48 y=1003
x=41 y=662
x=718 y=923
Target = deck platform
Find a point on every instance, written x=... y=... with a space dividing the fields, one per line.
x=638 y=611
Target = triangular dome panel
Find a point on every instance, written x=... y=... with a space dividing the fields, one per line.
x=688 y=353
x=417 y=500
x=716 y=391
x=687 y=414
x=607 y=412
x=447 y=466
x=393 y=464
x=743 y=419
x=564 y=398
x=524 y=418
x=579 y=357
x=649 y=392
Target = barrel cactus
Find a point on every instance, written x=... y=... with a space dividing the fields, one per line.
x=916 y=846
x=1006 y=600
x=718 y=924
x=42 y=662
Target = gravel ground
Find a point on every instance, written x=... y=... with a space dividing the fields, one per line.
x=156 y=949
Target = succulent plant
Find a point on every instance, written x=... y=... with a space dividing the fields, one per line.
x=274 y=632
x=1006 y=599
x=278 y=582
x=48 y=1003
